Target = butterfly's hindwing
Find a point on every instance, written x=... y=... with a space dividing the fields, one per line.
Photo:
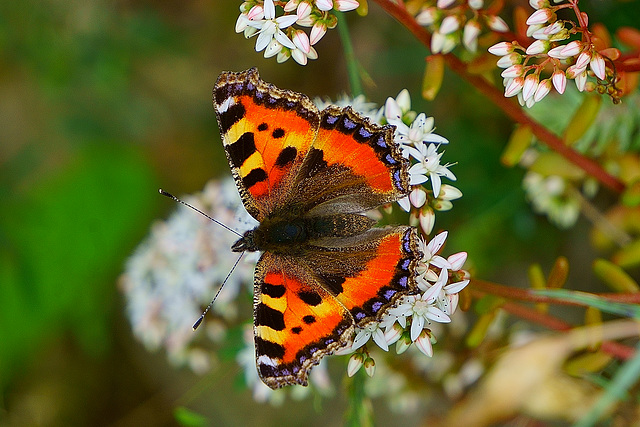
x=383 y=259
x=296 y=321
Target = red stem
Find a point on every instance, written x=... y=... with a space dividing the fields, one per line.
x=613 y=348
x=509 y=106
x=527 y=294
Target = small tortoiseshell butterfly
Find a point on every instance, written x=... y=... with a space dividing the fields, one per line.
x=308 y=176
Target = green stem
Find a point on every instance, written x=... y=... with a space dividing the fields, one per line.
x=349 y=55
x=622 y=381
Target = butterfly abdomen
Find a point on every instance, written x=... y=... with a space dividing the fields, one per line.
x=291 y=235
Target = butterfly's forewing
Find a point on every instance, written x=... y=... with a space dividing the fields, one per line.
x=352 y=166
x=266 y=134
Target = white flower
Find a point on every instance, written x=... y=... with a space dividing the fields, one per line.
x=176 y=270
x=428 y=164
x=430 y=257
x=374 y=330
x=422 y=309
x=270 y=27
x=396 y=109
x=421 y=130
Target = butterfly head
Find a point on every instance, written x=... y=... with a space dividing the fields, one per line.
x=246 y=243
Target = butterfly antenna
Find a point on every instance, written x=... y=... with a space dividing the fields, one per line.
x=171 y=196
x=206 y=310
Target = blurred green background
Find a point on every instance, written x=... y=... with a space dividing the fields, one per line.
x=102 y=103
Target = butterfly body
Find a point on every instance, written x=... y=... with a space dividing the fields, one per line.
x=309 y=177
x=295 y=235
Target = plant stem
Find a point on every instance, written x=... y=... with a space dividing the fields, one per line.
x=349 y=56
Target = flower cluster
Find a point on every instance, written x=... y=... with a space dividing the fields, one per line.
x=276 y=34
x=415 y=135
x=453 y=20
x=530 y=73
x=171 y=275
x=549 y=195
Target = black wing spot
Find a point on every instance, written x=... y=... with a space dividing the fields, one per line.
x=278 y=133
x=315 y=161
x=274 y=291
x=286 y=156
x=255 y=176
x=296 y=330
x=263 y=126
x=267 y=316
x=230 y=117
x=268 y=348
x=334 y=283
x=309 y=297
x=242 y=149
x=309 y=319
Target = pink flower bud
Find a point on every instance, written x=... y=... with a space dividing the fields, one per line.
x=470 y=35
x=418 y=197
x=291 y=5
x=457 y=260
x=424 y=343
x=597 y=65
x=513 y=71
x=572 y=49
x=442 y=4
x=573 y=71
x=324 y=4
x=497 y=24
x=540 y=16
x=543 y=90
x=427 y=220
x=355 y=363
x=583 y=60
x=556 y=52
x=317 y=32
x=501 y=49
x=304 y=10
x=346 y=5
x=428 y=16
x=539 y=4
x=301 y=40
x=508 y=60
x=581 y=81
x=449 y=25
x=559 y=80
x=530 y=86
x=514 y=87
x=256 y=13
x=537 y=47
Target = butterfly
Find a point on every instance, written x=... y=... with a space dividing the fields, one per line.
x=309 y=177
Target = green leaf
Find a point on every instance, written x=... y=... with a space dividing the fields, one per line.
x=590 y=300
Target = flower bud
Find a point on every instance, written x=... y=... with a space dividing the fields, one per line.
x=355 y=363
x=559 y=80
x=501 y=49
x=514 y=87
x=540 y=16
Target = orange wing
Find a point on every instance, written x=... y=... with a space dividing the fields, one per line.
x=266 y=133
x=306 y=308
x=296 y=321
